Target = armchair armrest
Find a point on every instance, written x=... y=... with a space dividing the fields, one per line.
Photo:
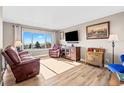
x=51 y=49
x=29 y=61
x=23 y=52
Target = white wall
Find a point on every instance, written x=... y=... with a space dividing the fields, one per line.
x=8 y=34
x=1 y=39
x=1 y=29
x=116 y=27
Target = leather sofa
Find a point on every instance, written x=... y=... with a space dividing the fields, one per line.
x=22 y=64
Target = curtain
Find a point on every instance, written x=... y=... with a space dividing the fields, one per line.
x=17 y=33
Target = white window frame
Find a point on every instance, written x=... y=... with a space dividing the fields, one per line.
x=37 y=32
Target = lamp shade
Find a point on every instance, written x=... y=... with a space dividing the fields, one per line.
x=113 y=37
x=18 y=43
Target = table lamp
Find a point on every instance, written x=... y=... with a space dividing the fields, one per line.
x=18 y=45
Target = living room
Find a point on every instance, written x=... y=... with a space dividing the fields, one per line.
x=70 y=31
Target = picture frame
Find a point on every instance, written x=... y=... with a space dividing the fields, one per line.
x=61 y=35
x=98 y=31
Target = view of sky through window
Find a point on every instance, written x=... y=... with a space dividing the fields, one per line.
x=37 y=40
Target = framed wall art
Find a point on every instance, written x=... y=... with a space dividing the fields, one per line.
x=98 y=31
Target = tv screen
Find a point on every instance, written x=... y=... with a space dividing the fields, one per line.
x=71 y=36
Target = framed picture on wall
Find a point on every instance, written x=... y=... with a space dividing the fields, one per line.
x=98 y=31
x=61 y=35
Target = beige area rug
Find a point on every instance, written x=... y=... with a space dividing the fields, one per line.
x=51 y=67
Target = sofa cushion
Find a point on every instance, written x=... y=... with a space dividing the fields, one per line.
x=27 y=57
x=13 y=54
x=21 y=56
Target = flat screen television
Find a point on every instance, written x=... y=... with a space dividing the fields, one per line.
x=71 y=36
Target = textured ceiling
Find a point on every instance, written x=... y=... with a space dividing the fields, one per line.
x=56 y=17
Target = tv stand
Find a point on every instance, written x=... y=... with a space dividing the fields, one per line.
x=72 y=53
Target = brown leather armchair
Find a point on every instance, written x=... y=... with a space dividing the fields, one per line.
x=22 y=64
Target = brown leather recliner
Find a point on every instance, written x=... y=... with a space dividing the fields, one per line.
x=55 y=51
x=22 y=64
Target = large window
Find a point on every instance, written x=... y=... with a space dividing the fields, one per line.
x=37 y=40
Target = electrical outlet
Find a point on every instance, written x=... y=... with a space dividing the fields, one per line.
x=107 y=61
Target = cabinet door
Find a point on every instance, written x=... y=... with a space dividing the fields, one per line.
x=90 y=57
x=73 y=53
x=94 y=58
x=68 y=54
x=73 y=50
x=98 y=59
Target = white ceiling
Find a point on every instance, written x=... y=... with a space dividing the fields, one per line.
x=56 y=17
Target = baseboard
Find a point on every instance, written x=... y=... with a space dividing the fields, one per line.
x=83 y=60
x=105 y=65
x=1 y=83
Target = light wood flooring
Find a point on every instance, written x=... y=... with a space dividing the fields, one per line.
x=82 y=75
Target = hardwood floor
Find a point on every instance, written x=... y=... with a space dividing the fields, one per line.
x=82 y=75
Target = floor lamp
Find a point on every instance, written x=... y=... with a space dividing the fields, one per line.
x=113 y=38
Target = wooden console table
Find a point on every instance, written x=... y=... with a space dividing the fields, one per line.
x=72 y=53
x=95 y=56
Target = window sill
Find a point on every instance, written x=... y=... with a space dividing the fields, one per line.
x=37 y=49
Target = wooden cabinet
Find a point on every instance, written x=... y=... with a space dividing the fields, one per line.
x=95 y=57
x=72 y=53
x=75 y=53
